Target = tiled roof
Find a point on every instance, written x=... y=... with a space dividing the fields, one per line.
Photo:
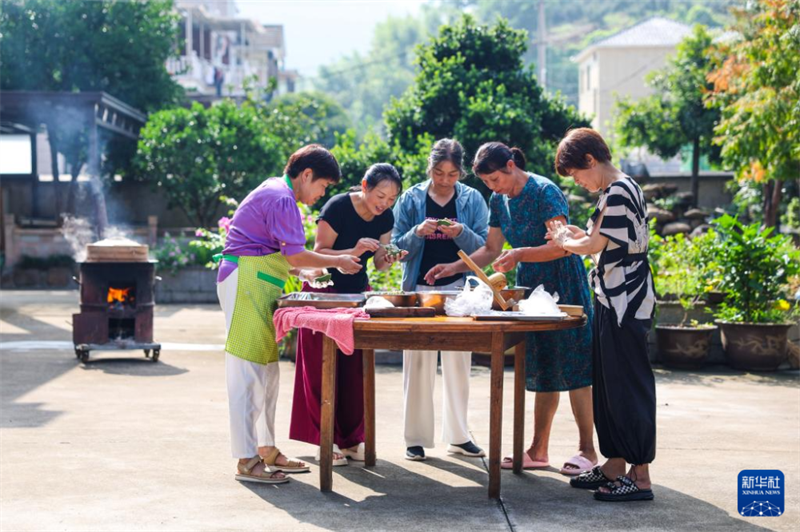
x=655 y=31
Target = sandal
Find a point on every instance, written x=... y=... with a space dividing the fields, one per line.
x=337 y=462
x=528 y=463
x=357 y=455
x=291 y=466
x=591 y=480
x=582 y=465
x=246 y=474
x=627 y=490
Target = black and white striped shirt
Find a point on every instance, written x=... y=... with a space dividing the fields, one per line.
x=621 y=279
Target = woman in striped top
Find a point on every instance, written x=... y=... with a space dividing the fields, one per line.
x=624 y=391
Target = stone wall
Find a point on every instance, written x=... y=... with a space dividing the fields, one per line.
x=195 y=284
x=711 y=194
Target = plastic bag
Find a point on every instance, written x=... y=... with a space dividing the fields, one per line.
x=378 y=302
x=469 y=301
x=541 y=303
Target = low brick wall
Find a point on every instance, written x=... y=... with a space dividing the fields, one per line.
x=195 y=284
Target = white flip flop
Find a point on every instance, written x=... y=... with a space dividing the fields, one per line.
x=357 y=455
x=336 y=461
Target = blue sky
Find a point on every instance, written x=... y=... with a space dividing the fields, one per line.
x=320 y=31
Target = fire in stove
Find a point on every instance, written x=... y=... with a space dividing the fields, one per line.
x=122 y=296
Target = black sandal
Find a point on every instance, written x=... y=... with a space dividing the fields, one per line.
x=626 y=491
x=590 y=480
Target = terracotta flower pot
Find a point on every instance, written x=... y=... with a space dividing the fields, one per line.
x=683 y=347
x=754 y=346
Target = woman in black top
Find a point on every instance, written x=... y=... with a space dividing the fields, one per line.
x=354 y=223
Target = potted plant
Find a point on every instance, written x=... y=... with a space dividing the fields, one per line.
x=755 y=317
x=686 y=277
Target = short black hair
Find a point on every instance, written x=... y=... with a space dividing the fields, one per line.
x=576 y=145
x=318 y=158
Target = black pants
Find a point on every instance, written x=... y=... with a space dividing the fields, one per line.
x=624 y=388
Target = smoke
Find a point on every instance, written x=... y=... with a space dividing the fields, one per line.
x=78 y=232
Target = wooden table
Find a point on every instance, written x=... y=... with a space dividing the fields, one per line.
x=436 y=334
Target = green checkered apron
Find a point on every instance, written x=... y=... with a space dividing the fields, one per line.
x=252 y=333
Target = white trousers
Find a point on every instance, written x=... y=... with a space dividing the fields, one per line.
x=252 y=388
x=419 y=373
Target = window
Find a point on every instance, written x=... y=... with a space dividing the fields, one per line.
x=16 y=155
x=588 y=77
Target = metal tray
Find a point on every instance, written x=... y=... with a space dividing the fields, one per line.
x=321 y=300
x=515 y=316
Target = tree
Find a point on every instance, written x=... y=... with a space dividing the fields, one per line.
x=197 y=155
x=676 y=114
x=757 y=88
x=472 y=86
x=119 y=47
x=354 y=158
x=313 y=117
x=364 y=83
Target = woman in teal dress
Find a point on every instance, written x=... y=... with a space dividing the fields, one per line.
x=520 y=207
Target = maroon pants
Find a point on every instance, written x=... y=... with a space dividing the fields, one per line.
x=349 y=407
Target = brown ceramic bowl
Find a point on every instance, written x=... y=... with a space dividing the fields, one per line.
x=436 y=299
x=517 y=294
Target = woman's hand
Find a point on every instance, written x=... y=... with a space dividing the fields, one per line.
x=440 y=271
x=428 y=227
x=507 y=261
x=310 y=275
x=348 y=264
x=453 y=230
x=577 y=232
x=364 y=245
x=559 y=233
x=391 y=259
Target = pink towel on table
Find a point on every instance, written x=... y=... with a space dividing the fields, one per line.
x=335 y=323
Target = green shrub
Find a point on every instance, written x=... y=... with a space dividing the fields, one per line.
x=27 y=262
x=684 y=269
x=755 y=267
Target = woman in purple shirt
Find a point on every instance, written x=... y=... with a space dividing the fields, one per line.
x=266 y=244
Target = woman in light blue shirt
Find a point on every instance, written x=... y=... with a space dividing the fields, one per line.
x=428 y=243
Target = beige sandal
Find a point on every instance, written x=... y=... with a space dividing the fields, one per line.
x=246 y=473
x=291 y=466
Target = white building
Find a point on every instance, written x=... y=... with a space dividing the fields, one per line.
x=220 y=53
x=616 y=66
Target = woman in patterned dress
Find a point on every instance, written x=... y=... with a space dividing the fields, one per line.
x=624 y=390
x=520 y=206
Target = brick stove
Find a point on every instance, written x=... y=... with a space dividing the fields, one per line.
x=117 y=300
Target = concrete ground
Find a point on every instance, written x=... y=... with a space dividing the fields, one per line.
x=124 y=444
